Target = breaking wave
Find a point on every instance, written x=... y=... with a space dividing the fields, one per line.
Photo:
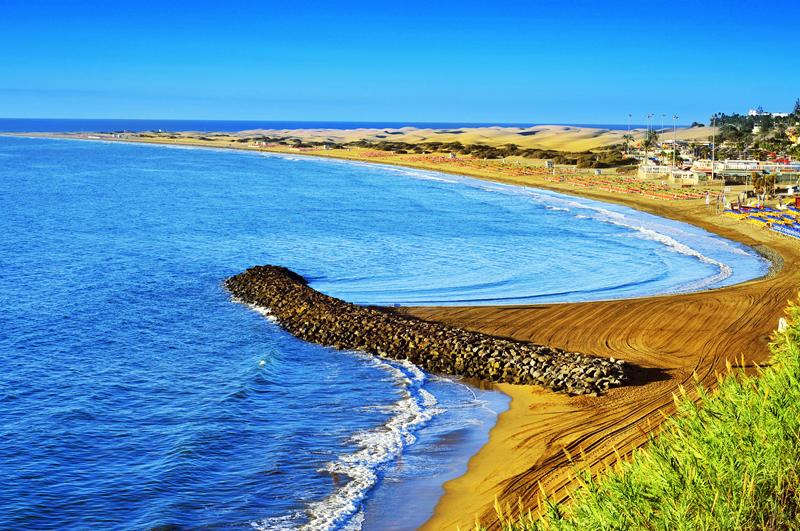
x=377 y=448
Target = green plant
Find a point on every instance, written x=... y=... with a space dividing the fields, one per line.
x=728 y=460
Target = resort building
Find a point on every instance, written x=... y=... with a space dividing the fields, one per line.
x=668 y=173
x=742 y=170
x=759 y=111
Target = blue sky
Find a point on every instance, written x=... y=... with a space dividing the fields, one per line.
x=510 y=61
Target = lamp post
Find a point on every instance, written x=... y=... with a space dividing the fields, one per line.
x=674 y=139
x=628 y=138
x=647 y=140
x=713 y=145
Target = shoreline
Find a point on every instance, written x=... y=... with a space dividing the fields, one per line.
x=676 y=334
x=637 y=202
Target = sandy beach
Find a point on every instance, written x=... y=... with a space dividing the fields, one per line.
x=675 y=339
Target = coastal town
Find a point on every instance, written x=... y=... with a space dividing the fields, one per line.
x=750 y=164
x=762 y=143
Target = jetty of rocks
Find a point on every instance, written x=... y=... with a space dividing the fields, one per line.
x=435 y=347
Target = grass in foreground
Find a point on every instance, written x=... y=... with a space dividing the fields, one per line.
x=730 y=462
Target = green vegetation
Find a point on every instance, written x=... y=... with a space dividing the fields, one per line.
x=757 y=136
x=762 y=137
x=606 y=158
x=650 y=140
x=731 y=461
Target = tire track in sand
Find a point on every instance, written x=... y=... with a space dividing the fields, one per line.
x=671 y=337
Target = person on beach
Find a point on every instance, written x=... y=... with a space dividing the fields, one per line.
x=708 y=198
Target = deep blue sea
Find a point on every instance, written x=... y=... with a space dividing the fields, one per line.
x=53 y=125
x=135 y=393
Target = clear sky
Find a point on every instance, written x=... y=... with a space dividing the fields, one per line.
x=464 y=61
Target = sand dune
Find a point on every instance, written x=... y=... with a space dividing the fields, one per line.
x=558 y=137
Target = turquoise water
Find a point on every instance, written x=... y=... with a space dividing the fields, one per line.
x=136 y=394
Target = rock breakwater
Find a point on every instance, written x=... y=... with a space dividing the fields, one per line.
x=438 y=348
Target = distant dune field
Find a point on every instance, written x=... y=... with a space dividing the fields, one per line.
x=557 y=137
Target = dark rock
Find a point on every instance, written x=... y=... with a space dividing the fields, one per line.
x=318 y=318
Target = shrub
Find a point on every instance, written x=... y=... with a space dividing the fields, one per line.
x=730 y=460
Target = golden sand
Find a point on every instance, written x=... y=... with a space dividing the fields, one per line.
x=671 y=337
x=558 y=137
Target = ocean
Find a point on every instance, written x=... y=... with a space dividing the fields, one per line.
x=136 y=394
x=52 y=125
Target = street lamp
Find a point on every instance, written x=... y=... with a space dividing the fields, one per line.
x=628 y=138
x=713 y=145
x=674 y=138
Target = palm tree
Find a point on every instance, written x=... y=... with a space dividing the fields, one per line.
x=650 y=140
x=628 y=138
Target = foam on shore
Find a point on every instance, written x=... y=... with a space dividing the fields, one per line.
x=377 y=447
x=638 y=222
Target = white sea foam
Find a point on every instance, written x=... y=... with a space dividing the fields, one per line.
x=621 y=220
x=279 y=523
x=376 y=448
x=432 y=178
x=355 y=523
x=724 y=270
x=266 y=312
x=423 y=175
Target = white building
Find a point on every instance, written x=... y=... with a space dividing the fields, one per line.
x=758 y=111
